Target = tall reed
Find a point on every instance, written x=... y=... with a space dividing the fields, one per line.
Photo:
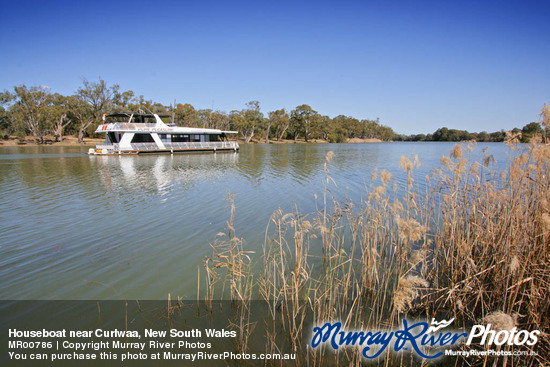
x=474 y=243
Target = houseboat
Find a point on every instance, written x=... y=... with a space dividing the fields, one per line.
x=137 y=133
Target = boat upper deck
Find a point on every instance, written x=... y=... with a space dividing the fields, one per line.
x=145 y=127
x=135 y=123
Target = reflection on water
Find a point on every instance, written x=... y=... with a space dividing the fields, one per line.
x=165 y=176
x=118 y=227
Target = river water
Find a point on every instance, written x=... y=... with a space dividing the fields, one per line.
x=74 y=226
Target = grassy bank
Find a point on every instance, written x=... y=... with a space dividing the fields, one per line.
x=474 y=245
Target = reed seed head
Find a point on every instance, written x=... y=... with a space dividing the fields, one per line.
x=456 y=152
x=446 y=161
x=514 y=265
x=407 y=291
x=500 y=321
x=410 y=230
x=385 y=176
x=405 y=163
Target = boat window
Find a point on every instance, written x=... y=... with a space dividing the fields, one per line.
x=112 y=137
x=143 y=138
x=196 y=137
x=180 y=138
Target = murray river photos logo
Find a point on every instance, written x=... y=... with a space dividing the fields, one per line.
x=426 y=340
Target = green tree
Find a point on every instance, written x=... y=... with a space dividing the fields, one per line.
x=239 y=123
x=323 y=128
x=482 y=136
x=252 y=119
x=497 y=136
x=186 y=115
x=96 y=98
x=441 y=134
x=303 y=118
x=122 y=102
x=29 y=108
x=58 y=115
x=279 y=120
x=530 y=131
x=268 y=123
x=385 y=133
x=7 y=124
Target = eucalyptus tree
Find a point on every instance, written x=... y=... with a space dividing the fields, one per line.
x=96 y=98
x=531 y=131
x=28 y=107
x=58 y=114
x=239 y=123
x=280 y=121
x=303 y=118
x=205 y=117
x=186 y=115
x=267 y=122
x=219 y=120
x=210 y=119
x=7 y=123
x=352 y=126
x=323 y=128
x=124 y=101
x=4 y=122
x=247 y=120
x=253 y=116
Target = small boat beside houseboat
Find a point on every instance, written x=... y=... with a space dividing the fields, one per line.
x=137 y=133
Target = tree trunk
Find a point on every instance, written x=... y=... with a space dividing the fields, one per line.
x=59 y=127
x=82 y=130
x=31 y=124
x=248 y=139
x=81 y=135
x=280 y=137
x=267 y=134
x=58 y=133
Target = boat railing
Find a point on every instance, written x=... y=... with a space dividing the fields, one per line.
x=132 y=126
x=212 y=145
x=203 y=145
x=105 y=146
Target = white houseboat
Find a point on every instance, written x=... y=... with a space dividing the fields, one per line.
x=138 y=133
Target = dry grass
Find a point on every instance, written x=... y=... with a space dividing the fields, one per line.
x=474 y=246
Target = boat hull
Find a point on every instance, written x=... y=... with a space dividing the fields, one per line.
x=169 y=148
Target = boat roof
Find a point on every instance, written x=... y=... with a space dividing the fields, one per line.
x=124 y=114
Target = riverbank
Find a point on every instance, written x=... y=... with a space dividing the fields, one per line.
x=302 y=141
x=33 y=141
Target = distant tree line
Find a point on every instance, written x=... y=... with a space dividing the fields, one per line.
x=39 y=112
x=532 y=130
x=446 y=134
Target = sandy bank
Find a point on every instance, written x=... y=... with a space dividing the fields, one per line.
x=32 y=141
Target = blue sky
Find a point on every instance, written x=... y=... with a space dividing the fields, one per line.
x=416 y=65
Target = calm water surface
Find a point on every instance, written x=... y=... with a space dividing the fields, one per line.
x=136 y=227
